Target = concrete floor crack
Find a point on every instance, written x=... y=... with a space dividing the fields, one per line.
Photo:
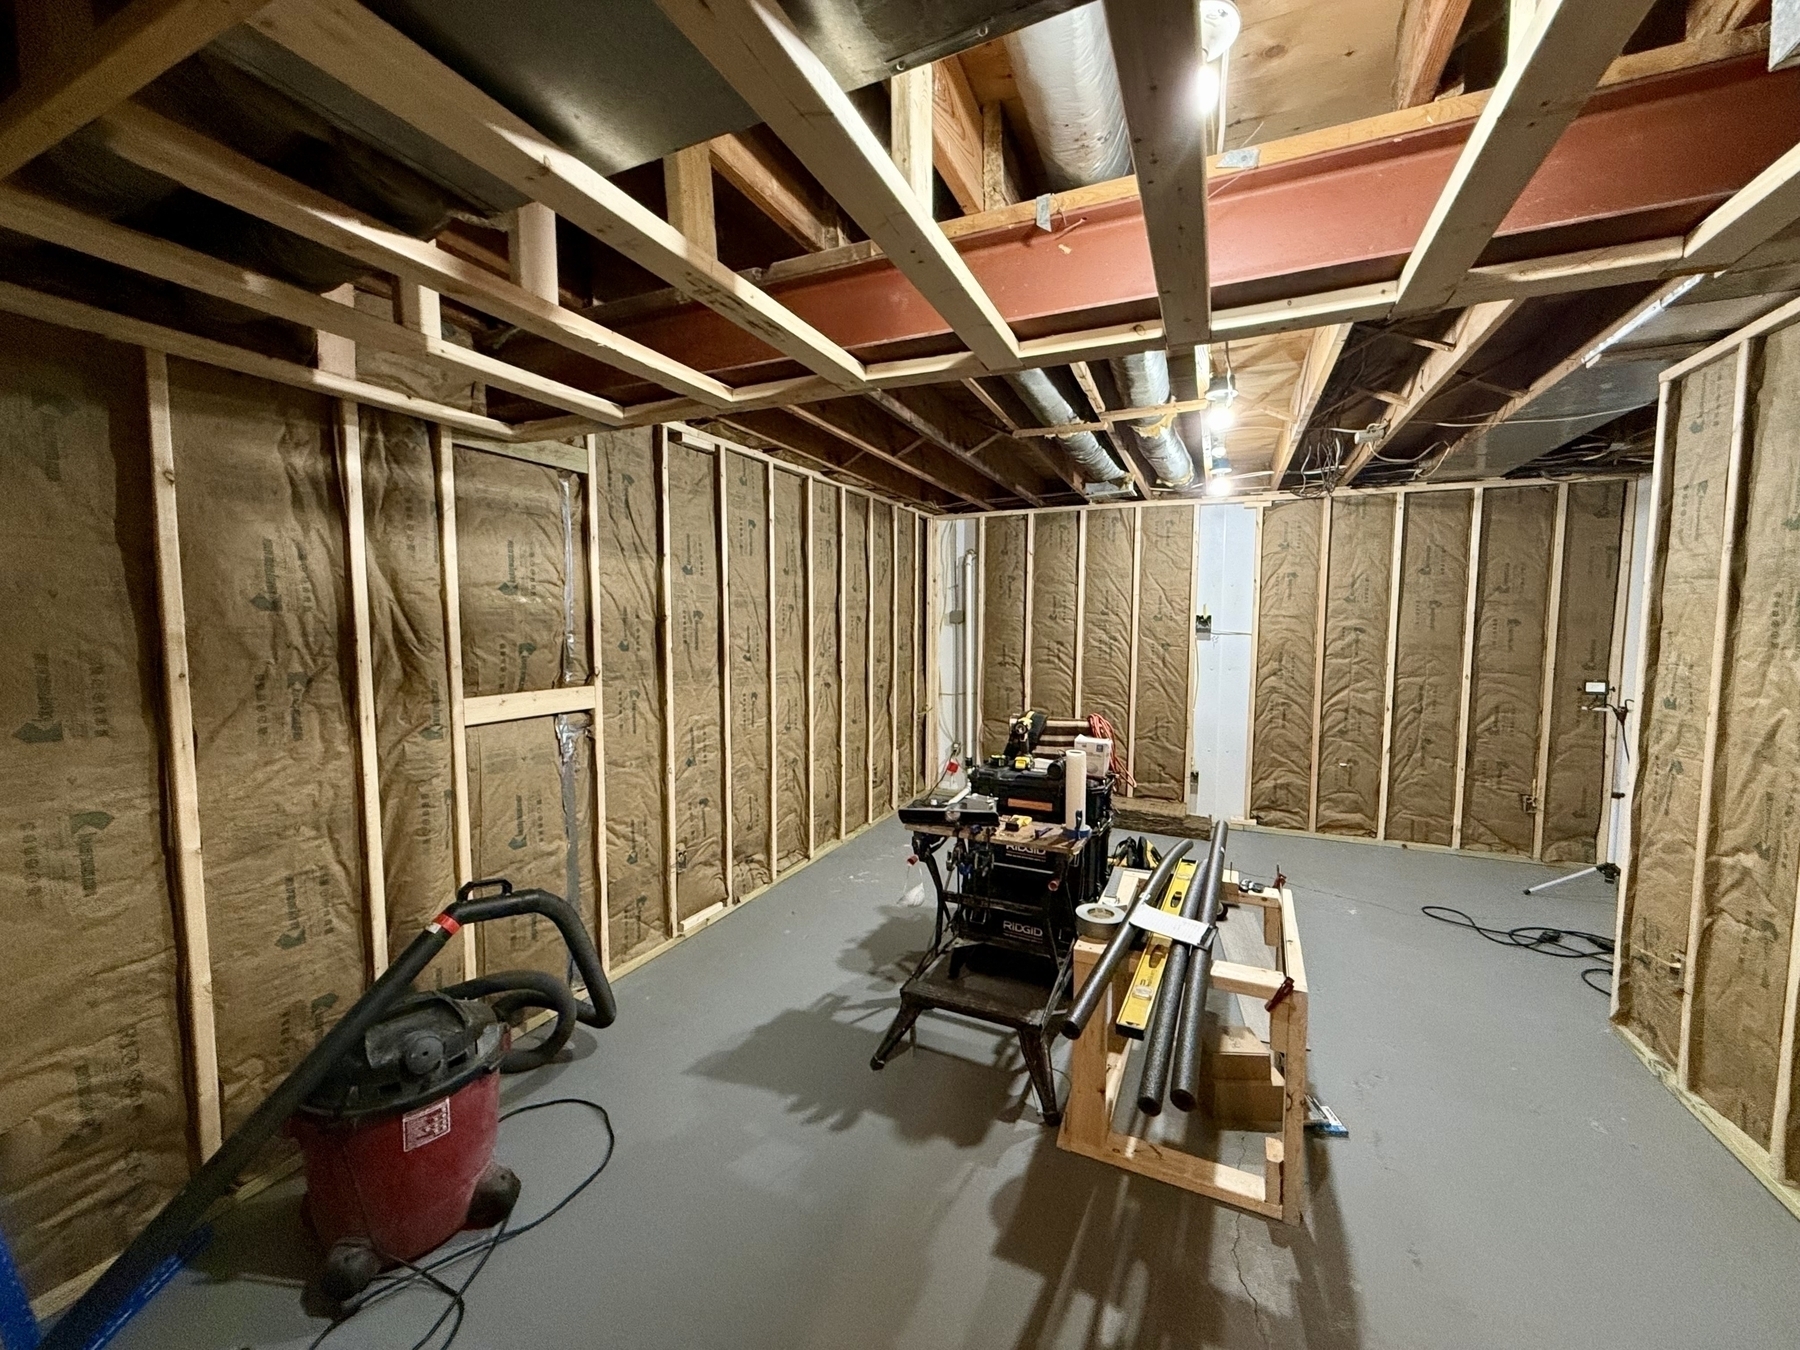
x=1237 y=1260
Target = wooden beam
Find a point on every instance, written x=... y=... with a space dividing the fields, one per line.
x=105 y=66
x=368 y=758
x=867 y=432
x=937 y=435
x=354 y=47
x=957 y=135
x=215 y=171
x=443 y=455
x=1155 y=45
x=1471 y=330
x=137 y=333
x=827 y=450
x=1707 y=18
x=910 y=97
x=597 y=742
x=419 y=335
x=998 y=187
x=688 y=186
x=1758 y=211
x=1315 y=373
x=1428 y=30
x=798 y=206
x=756 y=48
x=1568 y=48
x=1723 y=610
x=528 y=703
x=184 y=790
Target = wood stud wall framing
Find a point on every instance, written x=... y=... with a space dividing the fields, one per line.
x=1705 y=894
x=187 y=859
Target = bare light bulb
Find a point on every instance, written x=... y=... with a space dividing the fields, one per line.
x=1220 y=417
x=1219 y=485
x=1206 y=90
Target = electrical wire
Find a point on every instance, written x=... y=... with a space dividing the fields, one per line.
x=427 y=1274
x=1542 y=939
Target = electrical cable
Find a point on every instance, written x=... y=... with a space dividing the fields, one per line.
x=390 y=1285
x=1542 y=939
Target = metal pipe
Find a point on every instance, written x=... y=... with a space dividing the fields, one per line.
x=1159 y=1037
x=971 y=658
x=1101 y=976
x=1144 y=380
x=1184 y=1092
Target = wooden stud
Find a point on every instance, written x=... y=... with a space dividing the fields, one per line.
x=1255 y=648
x=1723 y=609
x=1428 y=30
x=957 y=148
x=893 y=691
x=843 y=699
x=665 y=656
x=488 y=709
x=1659 y=477
x=1468 y=671
x=975 y=638
x=1155 y=46
x=1393 y=646
x=722 y=542
x=910 y=95
x=931 y=759
x=1131 y=676
x=1759 y=210
x=591 y=539
x=1030 y=584
x=797 y=205
x=758 y=50
x=1318 y=700
x=1547 y=676
x=1615 y=671
x=772 y=692
x=869 y=660
x=1190 y=775
x=184 y=788
x=1081 y=535
x=531 y=251
x=1780 y=1163
x=443 y=454
x=368 y=755
x=811 y=660
x=688 y=188
x=1541 y=90
x=997 y=186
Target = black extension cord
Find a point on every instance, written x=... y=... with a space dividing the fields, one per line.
x=387 y=1286
x=1567 y=944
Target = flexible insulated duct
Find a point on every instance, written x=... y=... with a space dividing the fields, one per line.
x=1070 y=88
x=1144 y=380
x=1063 y=68
x=1051 y=409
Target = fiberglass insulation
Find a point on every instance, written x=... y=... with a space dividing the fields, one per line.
x=829 y=671
x=1002 y=628
x=793 y=772
x=1353 y=674
x=1164 y=653
x=1287 y=632
x=93 y=1117
x=694 y=673
x=747 y=509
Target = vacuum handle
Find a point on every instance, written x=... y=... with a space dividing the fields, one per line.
x=471 y=906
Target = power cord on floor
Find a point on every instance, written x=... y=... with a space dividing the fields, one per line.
x=1568 y=944
x=427 y=1274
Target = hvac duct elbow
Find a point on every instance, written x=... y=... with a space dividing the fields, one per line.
x=1145 y=382
x=1070 y=88
x=1053 y=410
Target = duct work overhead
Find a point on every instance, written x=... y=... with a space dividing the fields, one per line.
x=1070 y=88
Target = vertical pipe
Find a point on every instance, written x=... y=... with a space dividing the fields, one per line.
x=1184 y=1091
x=1137 y=560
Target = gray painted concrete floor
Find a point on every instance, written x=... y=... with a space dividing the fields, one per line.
x=1513 y=1178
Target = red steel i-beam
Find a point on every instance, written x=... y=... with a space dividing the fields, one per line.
x=1644 y=161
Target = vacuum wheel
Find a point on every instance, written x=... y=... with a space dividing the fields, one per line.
x=495 y=1195
x=350 y=1267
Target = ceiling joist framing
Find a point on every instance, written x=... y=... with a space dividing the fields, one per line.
x=353 y=46
x=1154 y=46
x=1558 y=64
x=756 y=48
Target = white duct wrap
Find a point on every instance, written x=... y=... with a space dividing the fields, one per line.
x=1064 y=71
x=1051 y=409
x=1070 y=89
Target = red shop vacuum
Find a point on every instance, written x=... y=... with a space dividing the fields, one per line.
x=396 y=1111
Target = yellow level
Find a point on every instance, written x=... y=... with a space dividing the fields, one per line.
x=1140 y=997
